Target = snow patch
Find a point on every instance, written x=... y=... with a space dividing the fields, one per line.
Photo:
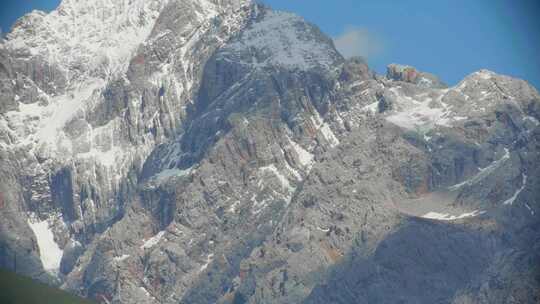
x=294 y=172
x=529 y=208
x=106 y=158
x=121 y=258
x=534 y=121
x=512 y=199
x=448 y=217
x=209 y=260
x=283 y=180
x=146 y=293
x=484 y=172
x=99 y=36
x=258 y=206
x=323 y=229
x=153 y=241
x=233 y=206
x=167 y=174
x=423 y=81
x=418 y=114
x=64 y=108
x=325 y=130
x=372 y=107
x=43 y=124
x=282 y=41
x=49 y=251
x=304 y=157
x=329 y=135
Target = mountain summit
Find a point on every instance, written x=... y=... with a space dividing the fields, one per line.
x=197 y=151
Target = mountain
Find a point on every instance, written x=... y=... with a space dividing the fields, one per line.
x=217 y=151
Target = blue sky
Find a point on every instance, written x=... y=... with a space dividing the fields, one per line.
x=450 y=38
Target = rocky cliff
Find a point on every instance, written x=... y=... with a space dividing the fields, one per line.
x=205 y=151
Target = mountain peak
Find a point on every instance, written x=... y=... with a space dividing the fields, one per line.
x=216 y=151
x=86 y=37
x=277 y=38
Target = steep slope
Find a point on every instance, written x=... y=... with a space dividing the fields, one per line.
x=73 y=150
x=227 y=153
x=212 y=195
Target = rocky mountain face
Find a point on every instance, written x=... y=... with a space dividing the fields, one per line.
x=217 y=151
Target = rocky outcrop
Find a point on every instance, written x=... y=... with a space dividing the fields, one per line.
x=410 y=74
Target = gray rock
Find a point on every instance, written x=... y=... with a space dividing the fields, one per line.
x=234 y=156
x=410 y=74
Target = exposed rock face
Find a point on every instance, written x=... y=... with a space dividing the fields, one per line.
x=222 y=152
x=410 y=74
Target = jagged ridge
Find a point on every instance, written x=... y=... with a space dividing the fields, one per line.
x=236 y=157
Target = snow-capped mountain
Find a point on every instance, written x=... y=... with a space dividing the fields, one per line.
x=217 y=151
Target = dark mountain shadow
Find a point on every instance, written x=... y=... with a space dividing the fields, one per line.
x=423 y=262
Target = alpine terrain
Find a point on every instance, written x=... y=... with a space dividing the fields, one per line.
x=217 y=151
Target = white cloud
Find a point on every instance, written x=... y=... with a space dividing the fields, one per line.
x=358 y=42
